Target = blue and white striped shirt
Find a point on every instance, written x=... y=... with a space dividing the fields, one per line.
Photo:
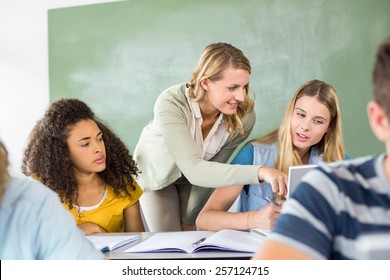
x=336 y=205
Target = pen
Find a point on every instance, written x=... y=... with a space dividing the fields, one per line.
x=196 y=244
x=272 y=201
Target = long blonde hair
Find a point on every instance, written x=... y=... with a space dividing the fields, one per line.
x=213 y=61
x=4 y=175
x=331 y=144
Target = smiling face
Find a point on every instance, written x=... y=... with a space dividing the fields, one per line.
x=225 y=95
x=309 y=122
x=86 y=147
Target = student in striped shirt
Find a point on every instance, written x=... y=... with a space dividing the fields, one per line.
x=342 y=211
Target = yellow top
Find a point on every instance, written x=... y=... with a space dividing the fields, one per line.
x=109 y=214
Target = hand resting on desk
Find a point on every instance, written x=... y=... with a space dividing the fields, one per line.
x=90 y=228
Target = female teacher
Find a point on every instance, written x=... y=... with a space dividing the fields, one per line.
x=182 y=152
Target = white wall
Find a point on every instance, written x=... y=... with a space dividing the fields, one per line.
x=24 y=84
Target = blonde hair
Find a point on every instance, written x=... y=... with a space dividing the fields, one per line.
x=331 y=144
x=213 y=61
x=4 y=176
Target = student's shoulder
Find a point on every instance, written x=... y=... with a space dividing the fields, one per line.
x=30 y=195
x=246 y=153
x=353 y=169
x=246 y=149
x=264 y=147
x=133 y=188
x=351 y=163
x=26 y=188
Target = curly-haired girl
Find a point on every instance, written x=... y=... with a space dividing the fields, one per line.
x=81 y=159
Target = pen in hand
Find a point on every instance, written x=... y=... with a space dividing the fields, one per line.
x=196 y=244
x=272 y=201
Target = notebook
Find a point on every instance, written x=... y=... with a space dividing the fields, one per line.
x=295 y=174
x=195 y=241
x=107 y=243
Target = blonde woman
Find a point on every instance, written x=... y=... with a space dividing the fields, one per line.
x=182 y=153
x=309 y=133
x=351 y=218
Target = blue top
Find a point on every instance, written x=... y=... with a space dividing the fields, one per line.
x=252 y=197
x=35 y=225
x=335 y=208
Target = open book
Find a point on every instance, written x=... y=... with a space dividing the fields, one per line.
x=194 y=241
x=107 y=243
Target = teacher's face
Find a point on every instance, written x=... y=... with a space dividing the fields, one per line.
x=226 y=94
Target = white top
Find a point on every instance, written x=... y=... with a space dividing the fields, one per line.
x=89 y=208
x=216 y=138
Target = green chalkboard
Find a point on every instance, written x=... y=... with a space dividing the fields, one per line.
x=119 y=56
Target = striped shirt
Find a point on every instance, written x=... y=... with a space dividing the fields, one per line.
x=339 y=211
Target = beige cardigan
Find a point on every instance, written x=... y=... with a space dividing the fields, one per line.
x=166 y=149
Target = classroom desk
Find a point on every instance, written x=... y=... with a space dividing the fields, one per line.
x=119 y=253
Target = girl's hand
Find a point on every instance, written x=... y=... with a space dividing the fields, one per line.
x=90 y=228
x=264 y=218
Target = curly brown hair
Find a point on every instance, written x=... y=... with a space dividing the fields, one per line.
x=47 y=156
